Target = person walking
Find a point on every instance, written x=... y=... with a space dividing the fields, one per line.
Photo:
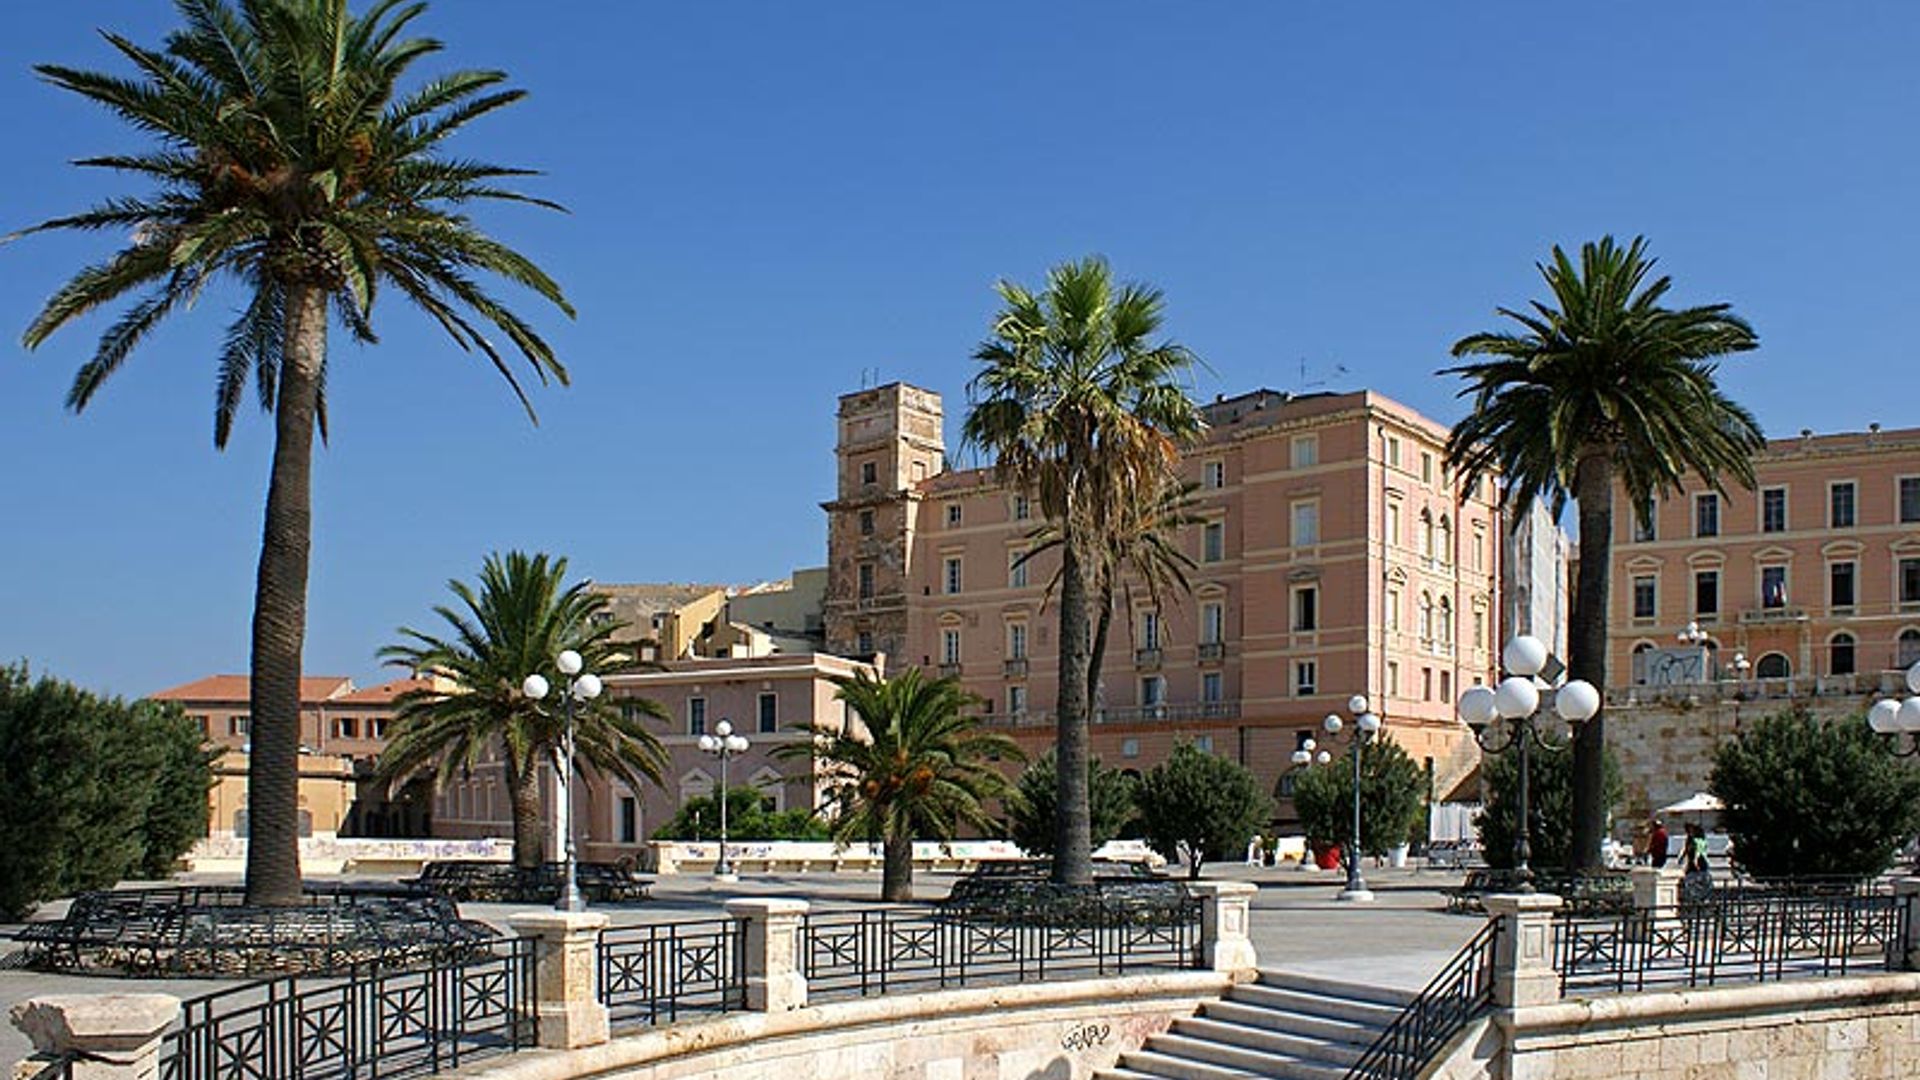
x=1657 y=844
x=1696 y=887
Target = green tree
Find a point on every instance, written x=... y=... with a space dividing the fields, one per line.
x=1550 y=798
x=1030 y=809
x=1392 y=798
x=750 y=816
x=178 y=812
x=521 y=617
x=1806 y=797
x=287 y=160
x=1081 y=406
x=1204 y=806
x=1601 y=386
x=917 y=765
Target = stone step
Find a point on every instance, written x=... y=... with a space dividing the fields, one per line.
x=1330 y=1028
x=1331 y=987
x=1171 y=1067
x=1269 y=1040
x=1255 y=1062
x=1310 y=1003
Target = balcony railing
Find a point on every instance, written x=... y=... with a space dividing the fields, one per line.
x=1889 y=683
x=1016 y=667
x=1130 y=714
x=1752 y=616
x=1146 y=658
x=1212 y=651
x=949 y=670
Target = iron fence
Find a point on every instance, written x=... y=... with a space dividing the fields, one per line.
x=59 y=1067
x=862 y=953
x=654 y=974
x=373 y=1023
x=1732 y=938
x=1462 y=990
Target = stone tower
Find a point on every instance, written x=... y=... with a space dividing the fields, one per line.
x=891 y=444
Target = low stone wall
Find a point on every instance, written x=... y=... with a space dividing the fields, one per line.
x=324 y=853
x=1047 y=1031
x=805 y=856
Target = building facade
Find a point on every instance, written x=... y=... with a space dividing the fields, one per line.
x=1814 y=574
x=1333 y=556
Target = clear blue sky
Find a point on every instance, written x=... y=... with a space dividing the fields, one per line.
x=769 y=199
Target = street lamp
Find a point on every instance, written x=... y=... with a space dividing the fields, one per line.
x=1897 y=718
x=1517 y=700
x=581 y=686
x=723 y=744
x=1691 y=634
x=1365 y=726
x=1305 y=755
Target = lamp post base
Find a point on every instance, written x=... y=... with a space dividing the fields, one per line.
x=726 y=877
x=1361 y=895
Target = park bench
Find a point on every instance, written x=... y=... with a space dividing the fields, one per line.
x=1580 y=894
x=492 y=882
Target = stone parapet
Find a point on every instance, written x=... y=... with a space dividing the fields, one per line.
x=1224 y=919
x=567 y=1006
x=110 y=1036
x=1523 y=972
x=774 y=981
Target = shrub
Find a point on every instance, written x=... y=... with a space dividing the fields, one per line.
x=1391 y=799
x=1550 y=795
x=750 y=816
x=1030 y=809
x=1807 y=797
x=1205 y=806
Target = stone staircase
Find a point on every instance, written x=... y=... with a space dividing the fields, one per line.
x=1296 y=1027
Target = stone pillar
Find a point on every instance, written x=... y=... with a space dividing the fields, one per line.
x=567 y=1006
x=1523 y=972
x=1907 y=889
x=774 y=982
x=116 y=1036
x=1655 y=888
x=1224 y=945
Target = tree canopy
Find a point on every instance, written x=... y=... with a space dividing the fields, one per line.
x=1200 y=807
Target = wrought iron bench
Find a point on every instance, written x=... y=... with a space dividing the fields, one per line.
x=491 y=882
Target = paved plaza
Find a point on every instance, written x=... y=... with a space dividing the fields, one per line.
x=1401 y=939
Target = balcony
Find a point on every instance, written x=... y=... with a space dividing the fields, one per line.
x=1204 y=710
x=949 y=671
x=1763 y=616
x=1016 y=668
x=1146 y=658
x=1212 y=652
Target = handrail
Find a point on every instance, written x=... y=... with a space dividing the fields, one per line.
x=1462 y=990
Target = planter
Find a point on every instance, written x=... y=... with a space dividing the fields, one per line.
x=1397 y=857
x=1327 y=857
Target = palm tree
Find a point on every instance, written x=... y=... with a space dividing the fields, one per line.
x=917 y=766
x=521 y=617
x=288 y=162
x=1601 y=386
x=1079 y=405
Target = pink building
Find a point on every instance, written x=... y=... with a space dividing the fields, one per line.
x=1334 y=557
x=1814 y=573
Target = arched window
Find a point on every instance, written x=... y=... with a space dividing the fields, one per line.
x=1446 y=541
x=1773 y=666
x=1446 y=621
x=1426 y=617
x=1909 y=652
x=1426 y=534
x=1640 y=662
x=1842 y=659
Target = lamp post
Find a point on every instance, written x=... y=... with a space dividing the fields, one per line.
x=581 y=686
x=1365 y=726
x=723 y=744
x=1518 y=700
x=1897 y=718
x=1691 y=634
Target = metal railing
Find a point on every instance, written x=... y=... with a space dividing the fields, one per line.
x=1462 y=991
x=655 y=974
x=59 y=1067
x=1200 y=710
x=863 y=953
x=1760 y=938
x=373 y=1023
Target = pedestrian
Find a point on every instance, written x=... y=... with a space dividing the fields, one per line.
x=1696 y=887
x=1657 y=844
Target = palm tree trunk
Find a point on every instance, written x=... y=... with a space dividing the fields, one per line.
x=1073 y=816
x=896 y=869
x=280 y=612
x=1587 y=648
x=523 y=786
x=1097 y=655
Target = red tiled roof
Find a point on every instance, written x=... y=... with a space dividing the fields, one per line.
x=382 y=694
x=234 y=688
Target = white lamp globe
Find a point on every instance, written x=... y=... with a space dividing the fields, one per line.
x=1309 y=746
x=1884 y=717
x=1577 y=701
x=568 y=662
x=1913 y=677
x=1516 y=697
x=1477 y=706
x=737 y=744
x=587 y=687
x=707 y=743
x=535 y=687
x=1357 y=704
x=1367 y=722
x=1324 y=758
x=1302 y=757
x=724 y=728
x=1524 y=655
x=1909 y=716
x=1333 y=724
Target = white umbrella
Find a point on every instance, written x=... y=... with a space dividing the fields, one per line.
x=1697 y=803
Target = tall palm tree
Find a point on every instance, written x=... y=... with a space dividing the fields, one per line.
x=917 y=766
x=523 y=615
x=287 y=161
x=1081 y=406
x=1602 y=385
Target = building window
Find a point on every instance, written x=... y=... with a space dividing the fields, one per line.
x=239 y=725
x=1393 y=524
x=1306 y=608
x=1909 y=651
x=1203 y=743
x=863 y=643
x=1426 y=467
x=1479 y=548
x=1910 y=581
x=1841 y=662
x=950 y=646
x=1393 y=450
x=1909 y=500
x=769 y=714
x=1393 y=678
x=1426 y=684
x=1840 y=590
x=1446 y=686
x=1646 y=600
x=1213 y=541
x=1306 y=451
x=1773 y=509
x=1017 y=641
x=1773 y=587
x=1153 y=691
x=1022 y=508
x=1426 y=536
x=1306 y=524
x=1773 y=666
x=1210 y=684
x=866 y=581
x=1213 y=624
x=1306 y=677
x=629 y=820
x=1213 y=474
x=1017 y=700
x=1706 y=592
x=1446 y=541
x=1017 y=568
x=1426 y=618
x=953 y=513
x=952 y=575
x=1129 y=747
x=377 y=727
x=697 y=716
x=1479 y=628
x=1706 y=514
x=866 y=523
x=1393 y=609
x=1840 y=499
x=346 y=727
x=1446 y=623
x=1149 y=629
x=1643 y=527
x=869 y=472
